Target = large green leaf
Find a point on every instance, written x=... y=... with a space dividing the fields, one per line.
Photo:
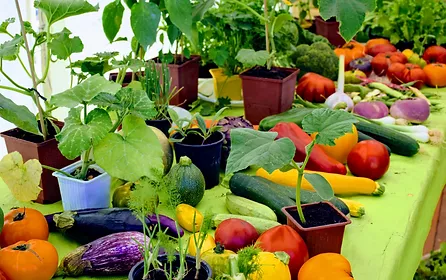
x=9 y=50
x=250 y=57
x=201 y=8
x=22 y=179
x=349 y=13
x=56 y=10
x=144 y=19
x=328 y=124
x=4 y=25
x=320 y=185
x=180 y=13
x=63 y=46
x=20 y=116
x=112 y=19
x=134 y=154
x=84 y=92
x=130 y=100
x=76 y=136
x=251 y=147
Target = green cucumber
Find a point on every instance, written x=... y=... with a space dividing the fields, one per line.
x=398 y=143
x=246 y=207
x=261 y=225
x=363 y=137
x=295 y=115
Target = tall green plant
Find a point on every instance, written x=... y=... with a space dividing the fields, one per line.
x=59 y=45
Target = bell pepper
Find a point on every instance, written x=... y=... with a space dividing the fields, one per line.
x=121 y=196
x=319 y=160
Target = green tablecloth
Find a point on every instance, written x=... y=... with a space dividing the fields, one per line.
x=386 y=243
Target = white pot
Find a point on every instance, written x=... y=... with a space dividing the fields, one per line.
x=78 y=195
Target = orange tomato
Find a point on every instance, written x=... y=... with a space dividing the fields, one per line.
x=326 y=266
x=343 y=145
x=351 y=51
x=435 y=74
x=34 y=259
x=23 y=224
x=378 y=41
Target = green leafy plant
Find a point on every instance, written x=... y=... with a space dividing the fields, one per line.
x=254 y=148
x=209 y=108
x=199 y=240
x=184 y=126
x=433 y=268
x=59 y=45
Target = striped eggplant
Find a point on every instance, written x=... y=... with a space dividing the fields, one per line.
x=88 y=225
x=114 y=254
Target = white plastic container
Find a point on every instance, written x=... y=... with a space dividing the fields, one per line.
x=79 y=195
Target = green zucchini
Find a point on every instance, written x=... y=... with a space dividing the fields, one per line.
x=363 y=137
x=398 y=143
x=246 y=207
x=261 y=225
x=295 y=115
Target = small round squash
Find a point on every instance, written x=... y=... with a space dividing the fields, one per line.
x=335 y=266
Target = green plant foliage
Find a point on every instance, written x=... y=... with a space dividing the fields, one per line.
x=250 y=58
x=9 y=50
x=19 y=115
x=144 y=19
x=62 y=46
x=134 y=154
x=180 y=13
x=56 y=10
x=112 y=19
x=77 y=136
x=434 y=268
x=84 y=92
x=4 y=25
x=349 y=13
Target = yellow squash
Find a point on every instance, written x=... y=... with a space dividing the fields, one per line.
x=341 y=184
x=356 y=208
x=208 y=244
x=218 y=259
x=185 y=217
x=343 y=145
x=271 y=267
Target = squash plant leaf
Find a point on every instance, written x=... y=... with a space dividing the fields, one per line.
x=349 y=13
x=9 y=50
x=62 y=46
x=134 y=154
x=320 y=185
x=19 y=115
x=180 y=13
x=201 y=8
x=77 y=136
x=328 y=124
x=4 y=25
x=144 y=19
x=22 y=179
x=84 y=92
x=250 y=57
x=112 y=19
x=251 y=147
x=56 y=10
x=127 y=101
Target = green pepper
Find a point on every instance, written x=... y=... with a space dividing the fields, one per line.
x=121 y=196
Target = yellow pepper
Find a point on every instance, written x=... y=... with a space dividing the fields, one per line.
x=185 y=217
x=272 y=266
x=208 y=244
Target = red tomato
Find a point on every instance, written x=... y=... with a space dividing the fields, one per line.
x=400 y=73
x=382 y=61
x=315 y=88
x=369 y=159
x=235 y=234
x=381 y=48
x=285 y=238
x=435 y=54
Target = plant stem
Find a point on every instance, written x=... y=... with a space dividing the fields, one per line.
x=11 y=80
x=58 y=170
x=85 y=164
x=16 y=90
x=33 y=72
x=48 y=56
x=71 y=72
x=265 y=14
x=24 y=67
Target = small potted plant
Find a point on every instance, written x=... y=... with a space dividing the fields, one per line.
x=323 y=229
x=34 y=139
x=267 y=90
x=202 y=145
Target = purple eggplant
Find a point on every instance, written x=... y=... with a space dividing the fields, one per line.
x=85 y=226
x=363 y=64
x=114 y=254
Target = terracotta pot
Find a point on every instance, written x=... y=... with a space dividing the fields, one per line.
x=319 y=239
x=264 y=97
x=330 y=30
x=185 y=76
x=127 y=78
x=47 y=153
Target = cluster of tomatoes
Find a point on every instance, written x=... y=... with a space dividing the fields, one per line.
x=25 y=252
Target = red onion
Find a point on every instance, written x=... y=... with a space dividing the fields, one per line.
x=415 y=110
x=371 y=110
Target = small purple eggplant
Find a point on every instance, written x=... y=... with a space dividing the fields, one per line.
x=363 y=64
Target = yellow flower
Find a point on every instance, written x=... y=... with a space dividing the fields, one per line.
x=287 y=2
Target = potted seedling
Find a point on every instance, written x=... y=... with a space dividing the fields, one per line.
x=321 y=225
x=34 y=138
x=202 y=145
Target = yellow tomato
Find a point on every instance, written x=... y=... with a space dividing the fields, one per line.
x=343 y=145
x=271 y=267
x=208 y=244
x=408 y=53
x=185 y=217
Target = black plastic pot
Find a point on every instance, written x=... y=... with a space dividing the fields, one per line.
x=206 y=157
x=163 y=125
x=205 y=271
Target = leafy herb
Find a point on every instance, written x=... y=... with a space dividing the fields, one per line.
x=434 y=268
x=250 y=58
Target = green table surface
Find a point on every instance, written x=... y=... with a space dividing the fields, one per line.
x=385 y=244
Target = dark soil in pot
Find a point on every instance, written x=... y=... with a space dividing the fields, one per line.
x=163 y=125
x=318 y=215
x=205 y=272
x=263 y=72
x=91 y=173
x=194 y=139
x=21 y=134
